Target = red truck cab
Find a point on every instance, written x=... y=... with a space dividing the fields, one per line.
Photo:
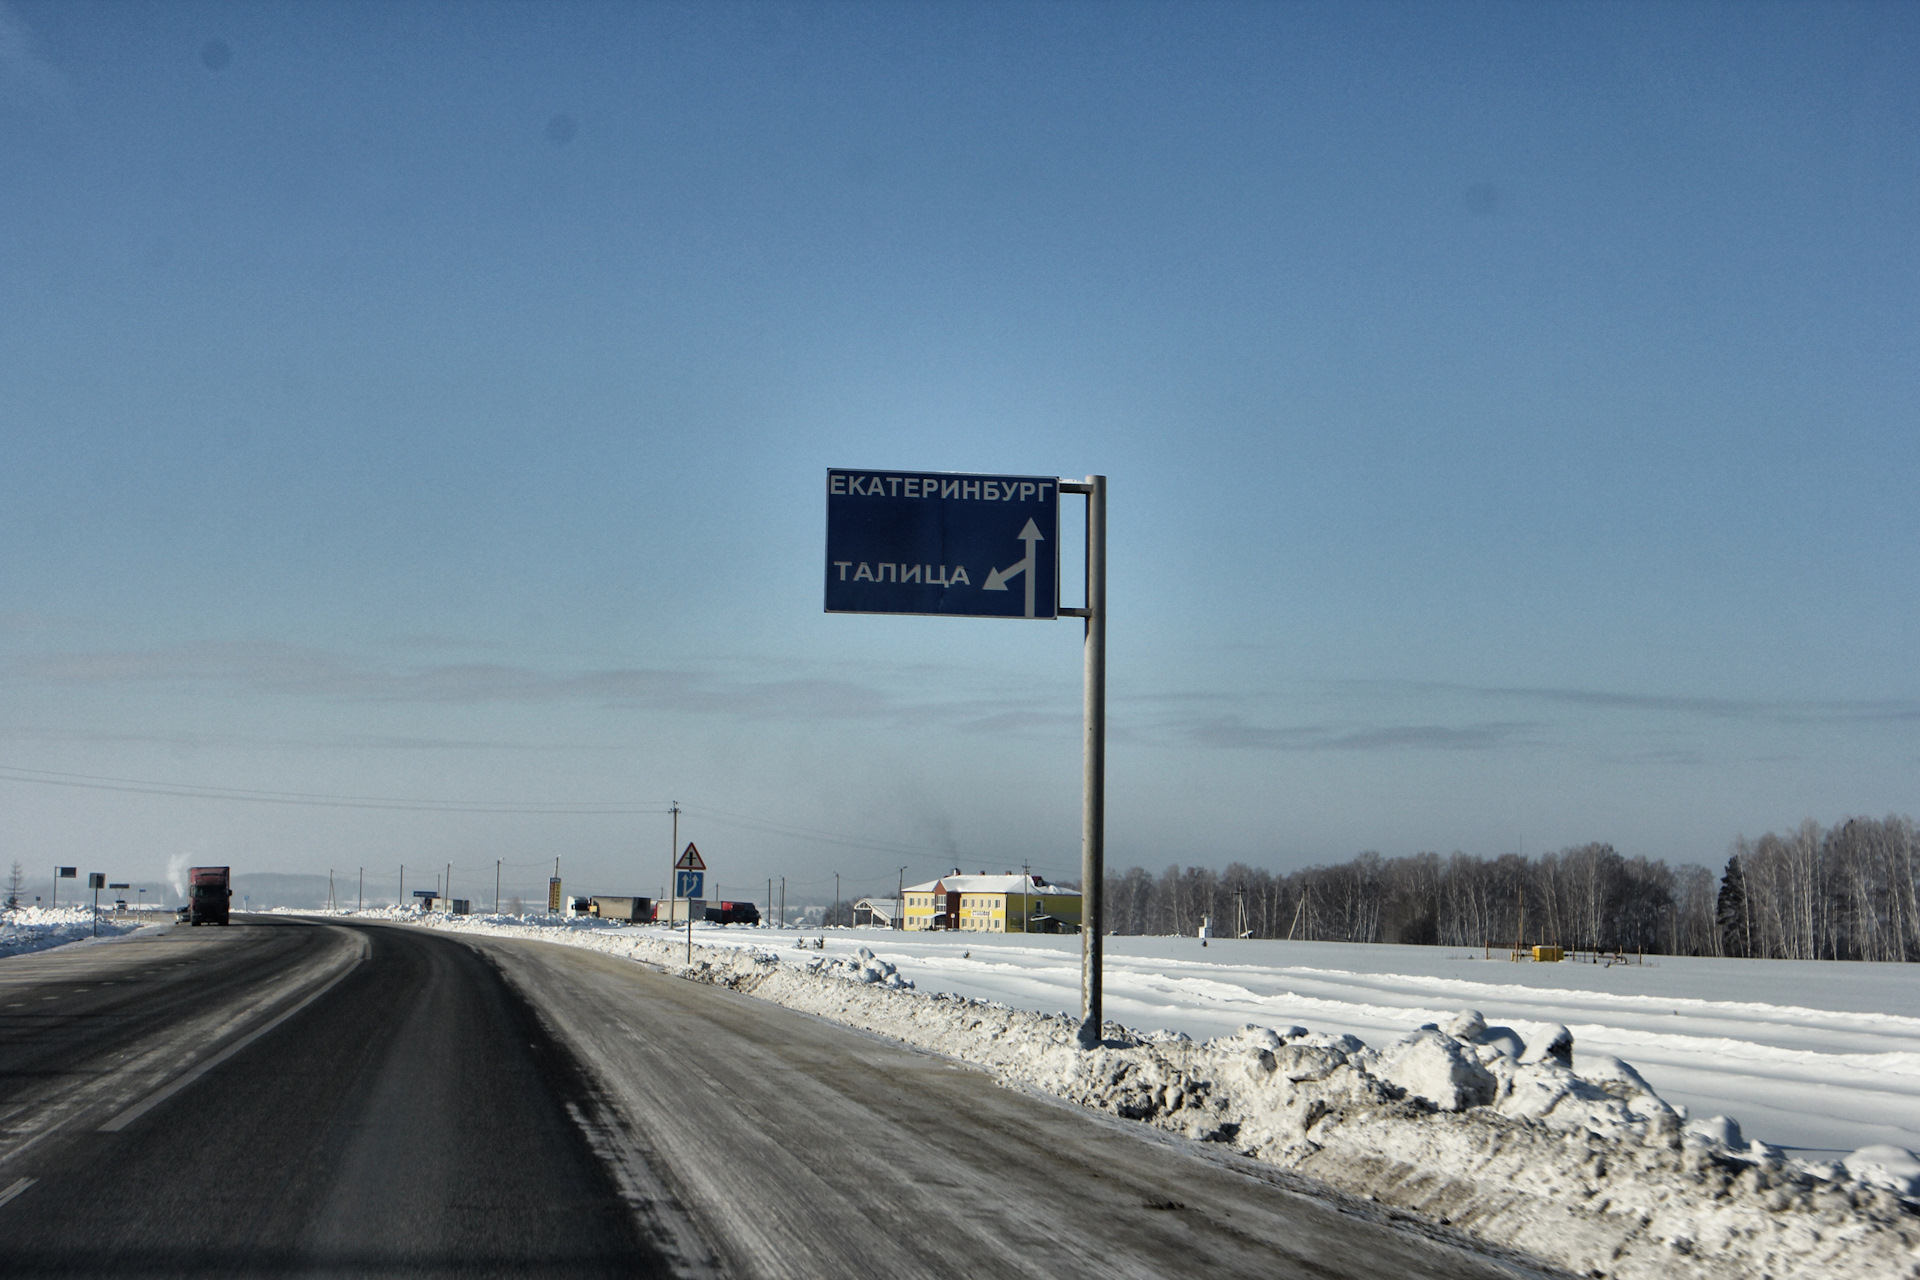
x=209 y=893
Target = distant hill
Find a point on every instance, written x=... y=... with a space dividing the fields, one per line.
x=259 y=889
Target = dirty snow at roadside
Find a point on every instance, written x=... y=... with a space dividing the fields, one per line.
x=37 y=928
x=1814 y=1056
x=1512 y=1129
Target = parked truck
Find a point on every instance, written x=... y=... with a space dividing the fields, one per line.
x=732 y=913
x=209 y=894
x=626 y=910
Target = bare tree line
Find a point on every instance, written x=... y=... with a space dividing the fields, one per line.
x=1850 y=892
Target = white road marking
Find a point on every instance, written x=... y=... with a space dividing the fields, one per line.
x=18 y=1185
x=159 y=1096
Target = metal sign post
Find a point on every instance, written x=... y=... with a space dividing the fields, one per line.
x=949 y=544
x=1093 y=761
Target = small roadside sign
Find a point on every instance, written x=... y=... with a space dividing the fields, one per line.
x=689 y=861
x=69 y=873
x=553 y=893
x=689 y=884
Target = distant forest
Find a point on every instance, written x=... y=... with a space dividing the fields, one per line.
x=1848 y=892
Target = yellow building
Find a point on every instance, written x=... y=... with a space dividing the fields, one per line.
x=982 y=903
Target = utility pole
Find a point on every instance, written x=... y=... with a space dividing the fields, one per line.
x=1093 y=783
x=329 y=888
x=447 y=893
x=496 y=885
x=403 y=886
x=673 y=862
x=768 y=922
x=360 y=900
x=900 y=903
x=836 y=893
x=783 y=902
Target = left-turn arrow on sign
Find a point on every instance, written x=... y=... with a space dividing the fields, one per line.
x=997 y=578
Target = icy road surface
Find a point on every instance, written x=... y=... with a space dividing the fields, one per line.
x=288 y=1098
x=1815 y=1056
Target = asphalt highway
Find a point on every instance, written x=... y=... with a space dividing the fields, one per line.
x=285 y=1098
x=412 y=1120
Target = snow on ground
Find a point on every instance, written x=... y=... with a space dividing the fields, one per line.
x=37 y=928
x=1520 y=1132
x=1813 y=1056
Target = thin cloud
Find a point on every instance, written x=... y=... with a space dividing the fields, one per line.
x=293 y=670
x=1233 y=733
x=1832 y=711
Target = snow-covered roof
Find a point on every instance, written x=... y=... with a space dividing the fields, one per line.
x=1015 y=883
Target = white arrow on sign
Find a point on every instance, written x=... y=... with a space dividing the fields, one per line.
x=997 y=578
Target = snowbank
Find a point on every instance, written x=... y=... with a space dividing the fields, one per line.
x=37 y=928
x=1470 y=1124
x=1816 y=1057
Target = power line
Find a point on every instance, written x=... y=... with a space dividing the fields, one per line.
x=824 y=837
x=324 y=800
x=139 y=786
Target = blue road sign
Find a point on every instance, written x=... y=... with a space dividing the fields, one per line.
x=689 y=884
x=983 y=546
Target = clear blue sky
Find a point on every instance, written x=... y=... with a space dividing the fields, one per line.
x=1511 y=414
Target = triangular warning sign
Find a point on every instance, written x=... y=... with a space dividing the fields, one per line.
x=690 y=860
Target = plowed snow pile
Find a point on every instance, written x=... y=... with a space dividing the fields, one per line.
x=37 y=928
x=1570 y=1157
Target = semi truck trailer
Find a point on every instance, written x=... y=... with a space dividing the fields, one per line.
x=209 y=895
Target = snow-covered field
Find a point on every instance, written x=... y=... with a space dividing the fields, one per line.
x=37 y=928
